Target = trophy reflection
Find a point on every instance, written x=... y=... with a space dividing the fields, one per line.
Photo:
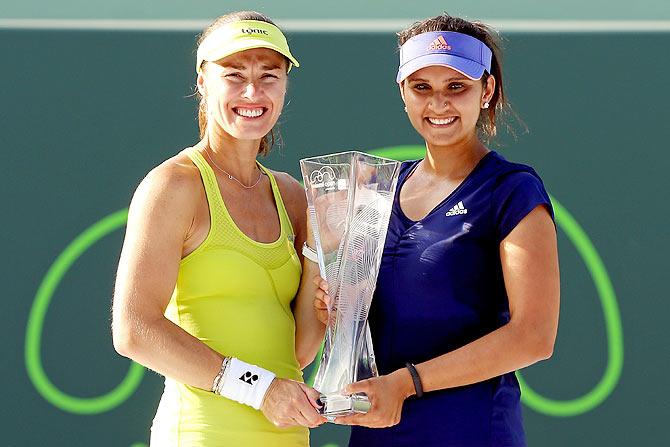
x=350 y=195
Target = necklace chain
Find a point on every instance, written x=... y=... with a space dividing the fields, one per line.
x=260 y=173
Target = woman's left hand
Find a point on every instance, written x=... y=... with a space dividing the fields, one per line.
x=386 y=395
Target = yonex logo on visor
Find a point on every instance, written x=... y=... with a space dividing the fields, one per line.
x=439 y=44
x=254 y=31
x=239 y=36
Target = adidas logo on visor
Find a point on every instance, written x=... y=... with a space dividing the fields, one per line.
x=457 y=209
x=439 y=44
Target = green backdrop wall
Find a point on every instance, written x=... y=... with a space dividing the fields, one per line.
x=86 y=114
x=342 y=9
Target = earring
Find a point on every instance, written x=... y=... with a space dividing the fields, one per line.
x=405 y=109
x=486 y=105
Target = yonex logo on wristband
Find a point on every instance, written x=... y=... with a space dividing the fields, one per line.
x=249 y=378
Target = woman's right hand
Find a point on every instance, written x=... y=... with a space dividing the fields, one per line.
x=321 y=300
x=289 y=403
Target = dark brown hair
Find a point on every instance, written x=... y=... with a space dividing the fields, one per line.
x=268 y=140
x=482 y=32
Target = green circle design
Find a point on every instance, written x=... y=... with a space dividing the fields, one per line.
x=608 y=301
x=54 y=275
x=534 y=400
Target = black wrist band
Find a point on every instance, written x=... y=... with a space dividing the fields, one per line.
x=415 y=378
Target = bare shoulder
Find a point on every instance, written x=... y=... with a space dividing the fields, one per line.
x=292 y=192
x=174 y=184
x=293 y=196
x=175 y=176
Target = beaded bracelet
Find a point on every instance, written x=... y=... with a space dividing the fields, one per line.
x=219 y=376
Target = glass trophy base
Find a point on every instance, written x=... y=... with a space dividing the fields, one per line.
x=337 y=405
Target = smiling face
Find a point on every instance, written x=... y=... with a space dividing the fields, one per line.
x=444 y=105
x=244 y=92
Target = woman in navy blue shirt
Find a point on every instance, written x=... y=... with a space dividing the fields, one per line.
x=468 y=288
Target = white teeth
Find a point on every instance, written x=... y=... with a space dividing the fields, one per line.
x=442 y=121
x=249 y=113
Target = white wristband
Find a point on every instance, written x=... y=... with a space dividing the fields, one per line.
x=309 y=253
x=245 y=383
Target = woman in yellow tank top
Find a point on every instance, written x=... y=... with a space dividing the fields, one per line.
x=208 y=289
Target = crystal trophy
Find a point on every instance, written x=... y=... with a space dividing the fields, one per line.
x=350 y=196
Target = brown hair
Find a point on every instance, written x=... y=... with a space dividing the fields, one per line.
x=482 y=32
x=268 y=140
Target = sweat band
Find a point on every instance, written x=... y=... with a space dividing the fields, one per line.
x=245 y=383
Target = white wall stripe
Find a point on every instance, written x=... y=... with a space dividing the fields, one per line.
x=342 y=25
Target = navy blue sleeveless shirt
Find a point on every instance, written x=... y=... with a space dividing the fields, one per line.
x=440 y=286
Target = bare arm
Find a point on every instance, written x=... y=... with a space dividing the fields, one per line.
x=161 y=213
x=309 y=330
x=160 y=217
x=529 y=259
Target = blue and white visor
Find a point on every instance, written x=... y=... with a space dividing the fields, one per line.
x=463 y=53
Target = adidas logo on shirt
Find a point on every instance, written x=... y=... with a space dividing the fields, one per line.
x=457 y=209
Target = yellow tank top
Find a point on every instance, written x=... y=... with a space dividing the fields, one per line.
x=233 y=294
